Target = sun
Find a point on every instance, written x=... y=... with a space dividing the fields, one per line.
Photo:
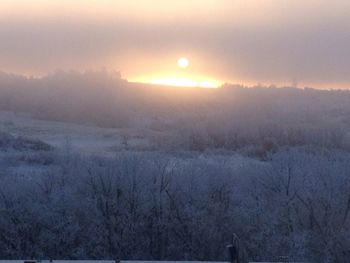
x=183 y=62
x=180 y=78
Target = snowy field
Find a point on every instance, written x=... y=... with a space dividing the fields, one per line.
x=83 y=138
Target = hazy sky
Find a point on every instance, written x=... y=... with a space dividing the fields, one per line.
x=240 y=41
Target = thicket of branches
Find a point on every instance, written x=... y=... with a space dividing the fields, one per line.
x=184 y=199
x=157 y=206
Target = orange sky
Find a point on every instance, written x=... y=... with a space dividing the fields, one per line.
x=240 y=41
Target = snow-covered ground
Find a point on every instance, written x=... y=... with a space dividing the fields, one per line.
x=122 y=261
x=108 y=261
x=60 y=261
x=84 y=138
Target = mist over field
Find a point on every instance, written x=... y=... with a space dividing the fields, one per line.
x=252 y=120
x=175 y=131
x=96 y=167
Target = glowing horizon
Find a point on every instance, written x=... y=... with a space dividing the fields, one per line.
x=184 y=82
x=178 y=81
x=244 y=41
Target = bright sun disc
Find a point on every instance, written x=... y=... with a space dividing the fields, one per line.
x=183 y=62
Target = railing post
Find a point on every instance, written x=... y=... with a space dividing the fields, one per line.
x=234 y=249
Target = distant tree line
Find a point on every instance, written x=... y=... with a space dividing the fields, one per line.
x=253 y=120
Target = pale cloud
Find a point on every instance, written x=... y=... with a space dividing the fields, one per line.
x=256 y=41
